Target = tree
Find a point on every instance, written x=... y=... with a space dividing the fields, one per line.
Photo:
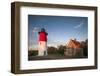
x=52 y=50
x=85 y=47
x=61 y=49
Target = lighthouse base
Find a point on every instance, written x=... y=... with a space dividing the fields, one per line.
x=42 y=48
x=42 y=53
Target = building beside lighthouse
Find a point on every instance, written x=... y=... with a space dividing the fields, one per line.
x=42 y=44
x=74 y=48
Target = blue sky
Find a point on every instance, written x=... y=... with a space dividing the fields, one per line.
x=59 y=28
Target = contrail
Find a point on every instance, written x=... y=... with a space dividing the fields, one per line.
x=81 y=24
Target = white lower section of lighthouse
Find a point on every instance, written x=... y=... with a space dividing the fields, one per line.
x=42 y=48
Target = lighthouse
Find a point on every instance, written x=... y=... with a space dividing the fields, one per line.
x=42 y=44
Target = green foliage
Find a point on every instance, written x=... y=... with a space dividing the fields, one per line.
x=33 y=53
x=61 y=50
x=56 y=51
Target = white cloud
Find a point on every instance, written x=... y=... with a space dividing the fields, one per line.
x=33 y=47
x=36 y=29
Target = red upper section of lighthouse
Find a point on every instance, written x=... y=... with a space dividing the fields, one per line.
x=43 y=36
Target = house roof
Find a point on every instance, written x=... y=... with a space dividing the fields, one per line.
x=73 y=43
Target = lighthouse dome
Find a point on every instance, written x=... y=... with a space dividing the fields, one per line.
x=42 y=30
